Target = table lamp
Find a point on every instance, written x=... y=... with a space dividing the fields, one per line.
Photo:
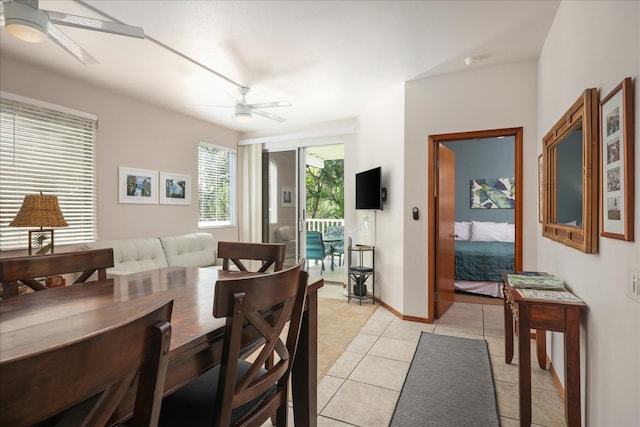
x=38 y=210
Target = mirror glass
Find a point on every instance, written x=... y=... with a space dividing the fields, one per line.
x=569 y=176
x=569 y=179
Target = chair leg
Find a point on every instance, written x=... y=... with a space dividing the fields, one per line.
x=281 y=412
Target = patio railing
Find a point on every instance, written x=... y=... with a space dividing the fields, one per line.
x=315 y=224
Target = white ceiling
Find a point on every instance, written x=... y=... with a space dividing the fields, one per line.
x=328 y=58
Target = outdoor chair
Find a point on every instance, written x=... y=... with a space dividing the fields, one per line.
x=336 y=247
x=315 y=249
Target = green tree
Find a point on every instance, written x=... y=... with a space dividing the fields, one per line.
x=325 y=190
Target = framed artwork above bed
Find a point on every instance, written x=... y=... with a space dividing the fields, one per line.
x=493 y=193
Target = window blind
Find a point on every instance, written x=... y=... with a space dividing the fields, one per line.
x=216 y=182
x=49 y=151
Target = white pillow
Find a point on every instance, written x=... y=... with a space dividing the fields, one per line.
x=511 y=233
x=463 y=230
x=488 y=231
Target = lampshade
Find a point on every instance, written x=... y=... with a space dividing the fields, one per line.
x=38 y=210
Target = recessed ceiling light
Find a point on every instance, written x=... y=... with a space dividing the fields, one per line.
x=471 y=59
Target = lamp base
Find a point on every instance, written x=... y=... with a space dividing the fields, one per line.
x=38 y=241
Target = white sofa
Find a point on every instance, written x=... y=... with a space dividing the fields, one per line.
x=141 y=254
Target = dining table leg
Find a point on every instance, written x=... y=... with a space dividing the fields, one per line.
x=304 y=378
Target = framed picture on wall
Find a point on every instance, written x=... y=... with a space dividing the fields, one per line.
x=493 y=193
x=616 y=168
x=175 y=189
x=287 y=197
x=137 y=185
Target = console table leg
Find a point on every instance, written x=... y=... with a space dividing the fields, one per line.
x=541 y=348
x=524 y=364
x=572 y=367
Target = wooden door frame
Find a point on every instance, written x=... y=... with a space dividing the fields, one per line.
x=517 y=133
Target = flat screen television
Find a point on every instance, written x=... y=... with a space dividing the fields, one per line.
x=369 y=189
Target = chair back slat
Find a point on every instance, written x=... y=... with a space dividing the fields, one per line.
x=268 y=302
x=269 y=254
x=85 y=380
x=26 y=269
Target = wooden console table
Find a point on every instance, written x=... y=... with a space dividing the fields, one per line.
x=543 y=315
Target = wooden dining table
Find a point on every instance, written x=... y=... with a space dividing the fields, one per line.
x=36 y=321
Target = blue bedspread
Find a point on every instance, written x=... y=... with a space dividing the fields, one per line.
x=483 y=260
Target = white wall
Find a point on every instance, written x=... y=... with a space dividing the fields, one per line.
x=485 y=98
x=596 y=44
x=379 y=142
x=133 y=134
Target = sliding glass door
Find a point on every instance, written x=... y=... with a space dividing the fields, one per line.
x=280 y=195
x=303 y=191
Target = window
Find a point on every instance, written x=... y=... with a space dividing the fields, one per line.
x=216 y=182
x=48 y=149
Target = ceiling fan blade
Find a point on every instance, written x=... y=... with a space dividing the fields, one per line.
x=271 y=104
x=70 y=46
x=209 y=105
x=95 y=24
x=269 y=115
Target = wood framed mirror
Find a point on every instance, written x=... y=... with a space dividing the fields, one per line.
x=570 y=176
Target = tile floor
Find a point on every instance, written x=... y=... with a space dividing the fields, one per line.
x=362 y=386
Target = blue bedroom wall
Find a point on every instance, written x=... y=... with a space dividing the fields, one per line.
x=478 y=159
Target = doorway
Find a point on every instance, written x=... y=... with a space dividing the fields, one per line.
x=303 y=190
x=440 y=294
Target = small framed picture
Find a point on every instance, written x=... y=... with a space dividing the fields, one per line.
x=137 y=185
x=287 y=198
x=175 y=189
x=616 y=165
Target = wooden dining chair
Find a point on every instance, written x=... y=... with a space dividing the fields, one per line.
x=239 y=392
x=28 y=269
x=82 y=382
x=233 y=253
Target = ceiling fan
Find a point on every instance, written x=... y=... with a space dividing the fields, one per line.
x=24 y=20
x=244 y=111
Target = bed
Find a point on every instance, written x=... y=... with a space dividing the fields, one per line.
x=482 y=250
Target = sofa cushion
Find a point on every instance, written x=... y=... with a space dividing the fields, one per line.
x=190 y=250
x=133 y=255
